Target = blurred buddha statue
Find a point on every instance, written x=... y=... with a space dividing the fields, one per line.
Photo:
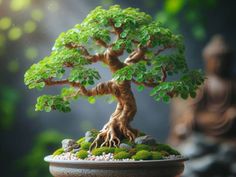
x=204 y=128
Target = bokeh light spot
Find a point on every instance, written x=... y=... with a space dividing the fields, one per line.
x=199 y=32
x=53 y=6
x=174 y=6
x=13 y=66
x=5 y=23
x=31 y=53
x=29 y=26
x=2 y=40
x=18 y=5
x=37 y=14
x=14 y=33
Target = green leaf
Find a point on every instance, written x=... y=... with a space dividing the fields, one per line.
x=118 y=24
x=166 y=98
x=184 y=95
x=123 y=34
x=48 y=108
x=140 y=88
x=91 y=82
x=91 y=100
x=193 y=94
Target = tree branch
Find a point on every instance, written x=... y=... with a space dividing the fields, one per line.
x=164 y=75
x=103 y=88
x=136 y=56
x=116 y=30
x=146 y=84
x=91 y=58
x=101 y=43
x=162 y=49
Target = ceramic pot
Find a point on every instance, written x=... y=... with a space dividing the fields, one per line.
x=147 y=168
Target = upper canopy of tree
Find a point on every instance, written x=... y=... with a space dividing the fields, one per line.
x=154 y=53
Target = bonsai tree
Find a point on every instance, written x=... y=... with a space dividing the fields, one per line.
x=135 y=48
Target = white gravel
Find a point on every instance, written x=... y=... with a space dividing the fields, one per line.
x=104 y=157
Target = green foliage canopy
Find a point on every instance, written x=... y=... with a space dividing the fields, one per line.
x=117 y=30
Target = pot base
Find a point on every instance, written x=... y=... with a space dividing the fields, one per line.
x=147 y=168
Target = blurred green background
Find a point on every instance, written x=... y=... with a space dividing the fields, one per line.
x=28 y=29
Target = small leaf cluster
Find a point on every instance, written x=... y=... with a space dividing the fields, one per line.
x=71 y=56
x=53 y=67
x=185 y=87
x=97 y=26
x=140 y=72
x=49 y=102
x=69 y=93
x=137 y=70
x=158 y=35
x=83 y=75
x=173 y=64
x=37 y=73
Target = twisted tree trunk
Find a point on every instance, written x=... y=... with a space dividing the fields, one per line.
x=118 y=126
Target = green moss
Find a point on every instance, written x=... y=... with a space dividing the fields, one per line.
x=81 y=140
x=58 y=152
x=94 y=132
x=141 y=134
x=85 y=145
x=117 y=150
x=122 y=155
x=140 y=147
x=156 y=155
x=164 y=153
x=126 y=141
x=142 y=155
x=167 y=148
x=133 y=151
x=82 y=154
x=101 y=150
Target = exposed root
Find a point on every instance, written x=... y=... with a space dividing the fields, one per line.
x=112 y=133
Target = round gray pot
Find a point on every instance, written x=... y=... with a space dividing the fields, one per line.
x=147 y=168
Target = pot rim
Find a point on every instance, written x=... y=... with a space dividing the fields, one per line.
x=51 y=160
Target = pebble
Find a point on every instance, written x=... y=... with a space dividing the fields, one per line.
x=75 y=150
x=89 y=139
x=125 y=146
x=147 y=139
x=69 y=144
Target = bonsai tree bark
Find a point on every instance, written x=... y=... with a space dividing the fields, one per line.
x=151 y=52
